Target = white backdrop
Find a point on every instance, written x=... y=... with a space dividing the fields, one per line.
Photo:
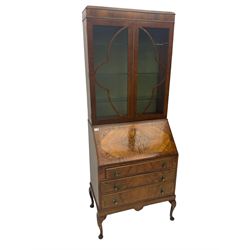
x=44 y=171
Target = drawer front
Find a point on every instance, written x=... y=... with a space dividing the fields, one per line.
x=146 y=167
x=138 y=194
x=138 y=180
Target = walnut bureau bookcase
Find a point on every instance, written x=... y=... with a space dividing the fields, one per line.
x=133 y=157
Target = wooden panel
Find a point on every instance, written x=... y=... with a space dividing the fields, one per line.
x=85 y=37
x=131 y=14
x=136 y=205
x=93 y=164
x=135 y=181
x=138 y=194
x=148 y=167
x=123 y=143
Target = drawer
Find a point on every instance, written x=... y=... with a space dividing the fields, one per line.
x=148 y=192
x=121 y=184
x=146 y=167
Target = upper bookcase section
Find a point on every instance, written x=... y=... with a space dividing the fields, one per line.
x=131 y=14
x=128 y=63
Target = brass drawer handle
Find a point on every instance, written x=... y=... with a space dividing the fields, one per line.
x=115 y=202
x=163 y=178
x=116 y=188
x=164 y=165
x=116 y=174
x=162 y=191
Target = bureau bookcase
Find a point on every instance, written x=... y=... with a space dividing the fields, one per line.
x=133 y=157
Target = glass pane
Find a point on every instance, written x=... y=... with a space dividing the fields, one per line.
x=151 y=75
x=111 y=71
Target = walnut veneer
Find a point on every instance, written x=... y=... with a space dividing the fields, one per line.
x=133 y=156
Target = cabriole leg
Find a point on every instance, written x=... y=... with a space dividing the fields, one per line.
x=173 y=205
x=91 y=197
x=100 y=219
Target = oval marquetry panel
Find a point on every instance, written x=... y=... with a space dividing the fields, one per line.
x=118 y=143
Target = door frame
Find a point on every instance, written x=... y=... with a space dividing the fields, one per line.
x=148 y=24
x=107 y=22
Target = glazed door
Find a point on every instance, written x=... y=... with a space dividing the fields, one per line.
x=111 y=72
x=152 y=73
x=129 y=70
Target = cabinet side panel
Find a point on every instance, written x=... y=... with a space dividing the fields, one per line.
x=169 y=63
x=176 y=167
x=86 y=54
x=93 y=164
